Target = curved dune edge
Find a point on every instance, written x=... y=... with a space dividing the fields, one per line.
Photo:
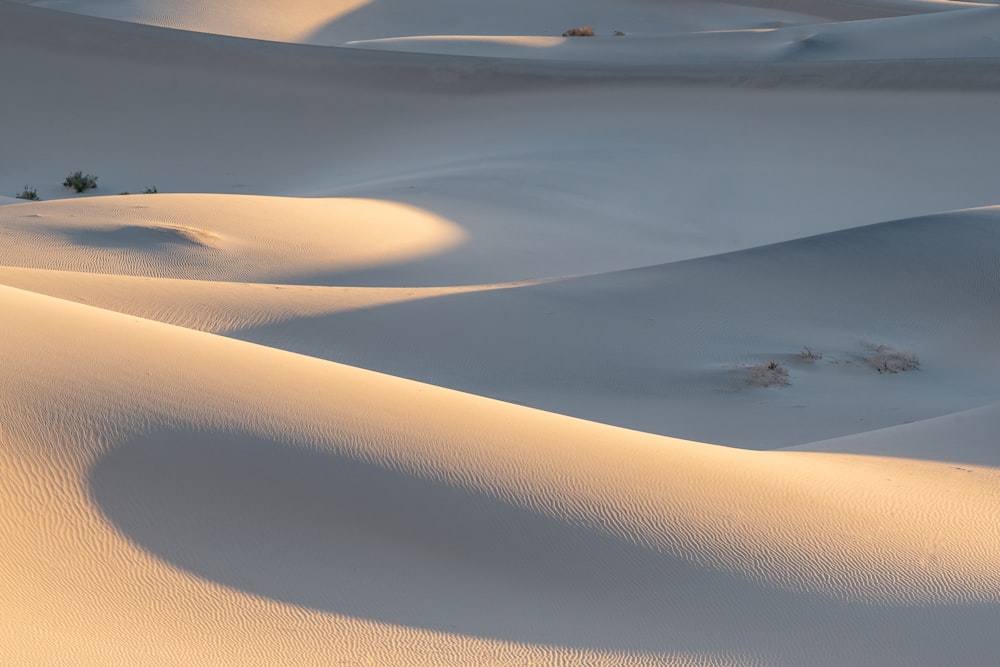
x=963 y=437
x=220 y=237
x=221 y=307
x=293 y=22
x=739 y=526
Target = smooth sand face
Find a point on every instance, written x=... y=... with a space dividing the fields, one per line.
x=222 y=237
x=731 y=275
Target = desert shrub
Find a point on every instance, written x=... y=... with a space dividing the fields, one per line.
x=807 y=354
x=151 y=190
x=28 y=193
x=618 y=33
x=769 y=374
x=80 y=181
x=581 y=31
x=885 y=359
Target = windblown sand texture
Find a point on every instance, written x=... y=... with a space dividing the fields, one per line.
x=449 y=340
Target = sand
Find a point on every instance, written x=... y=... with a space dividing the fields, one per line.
x=449 y=340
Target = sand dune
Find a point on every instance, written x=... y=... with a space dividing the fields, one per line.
x=342 y=21
x=218 y=237
x=659 y=348
x=454 y=341
x=966 y=34
x=518 y=514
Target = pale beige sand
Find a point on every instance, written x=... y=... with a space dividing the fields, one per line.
x=284 y=509
x=216 y=237
x=253 y=420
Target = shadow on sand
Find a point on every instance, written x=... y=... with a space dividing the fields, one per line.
x=318 y=530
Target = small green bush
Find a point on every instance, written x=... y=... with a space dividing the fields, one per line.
x=151 y=190
x=28 y=193
x=80 y=181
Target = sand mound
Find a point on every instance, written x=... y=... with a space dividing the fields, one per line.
x=219 y=237
x=370 y=519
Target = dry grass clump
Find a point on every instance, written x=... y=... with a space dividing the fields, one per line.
x=768 y=375
x=885 y=359
x=580 y=31
x=807 y=354
x=30 y=194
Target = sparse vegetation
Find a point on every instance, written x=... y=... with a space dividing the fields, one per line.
x=767 y=375
x=151 y=190
x=80 y=181
x=881 y=358
x=618 y=33
x=28 y=193
x=580 y=31
x=885 y=359
x=807 y=354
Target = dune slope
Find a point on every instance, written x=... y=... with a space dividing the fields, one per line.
x=658 y=348
x=465 y=531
